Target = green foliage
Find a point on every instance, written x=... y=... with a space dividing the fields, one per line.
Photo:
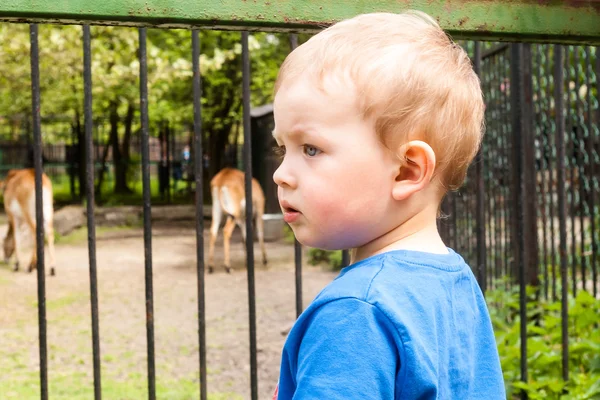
x=333 y=259
x=115 y=72
x=544 y=344
x=115 y=80
x=288 y=234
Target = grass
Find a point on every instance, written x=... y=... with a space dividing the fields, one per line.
x=79 y=386
x=79 y=235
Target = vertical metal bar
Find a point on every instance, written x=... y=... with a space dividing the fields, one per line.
x=495 y=232
x=517 y=107
x=542 y=166
x=249 y=230
x=345 y=258
x=469 y=223
x=293 y=41
x=198 y=175
x=168 y=135
x=551 y=188
x=480 y=213
x=90 y=200
x=530 y=236
x=172 y=150
x=147 y=213
x=570 y=149
x=593 y=166
x=454 y=221
x=298 y=262
x=297 y=245
x=579 y=167
x=490 y=113
x=507 y=168
x=560 y=160
x=39 y=218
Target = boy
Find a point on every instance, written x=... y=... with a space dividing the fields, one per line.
x=377 y=117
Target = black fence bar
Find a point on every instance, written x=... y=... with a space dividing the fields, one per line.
x=592 y=157
x=145 y=149
x=198 y=174
x=298 y=263
x=249 y=230
x=168 y=134
x=530 y=236
x=562 y=210
x=480 y=184
x=539 y=112
x=570 y=164
x=297 y=245
x=345 y=258
x=507 y=166
x=39 y=217
x=580 y=152
x=90 y=200
x=552 y=181
x=517 y=106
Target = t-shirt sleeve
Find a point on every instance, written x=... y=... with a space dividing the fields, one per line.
x=348 y=351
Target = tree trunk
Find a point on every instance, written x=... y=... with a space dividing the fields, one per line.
x=120 y=167
x=81 y=152
x=126 y=145
x=102 y=172
x=234 y=145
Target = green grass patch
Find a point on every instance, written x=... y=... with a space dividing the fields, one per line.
x=79 y=386
x=79 y=235
x=61 y=302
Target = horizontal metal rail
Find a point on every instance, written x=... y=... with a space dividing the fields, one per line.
x=518 y=20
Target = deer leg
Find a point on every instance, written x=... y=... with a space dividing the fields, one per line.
x=241 y=222
x=10 y=242
x=50 y=236
x=31 y=224
x=261 y=237
x=217 y=215
x=17 y=239
x=227 y=231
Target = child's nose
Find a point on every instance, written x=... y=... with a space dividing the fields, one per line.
x=283 y=176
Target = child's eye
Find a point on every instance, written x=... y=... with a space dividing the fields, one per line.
x=311 y=151
x=279 y=151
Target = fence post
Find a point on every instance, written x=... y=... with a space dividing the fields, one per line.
x=249 y=225
x=562 y=207
x=297 y=245
x=480 y=184
x=39 y=231
x=530 y=236
x=517 y=97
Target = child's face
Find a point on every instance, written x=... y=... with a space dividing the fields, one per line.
x=335 y=180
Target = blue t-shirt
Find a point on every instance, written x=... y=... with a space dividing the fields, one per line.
x=399 y=325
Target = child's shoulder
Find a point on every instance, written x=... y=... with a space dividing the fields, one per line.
x=391 y=272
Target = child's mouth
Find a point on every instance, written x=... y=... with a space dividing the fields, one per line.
x=290 y=214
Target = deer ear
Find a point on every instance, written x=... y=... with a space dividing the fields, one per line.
x=417 y=164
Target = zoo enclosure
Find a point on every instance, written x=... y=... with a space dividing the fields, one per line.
x=538 y=168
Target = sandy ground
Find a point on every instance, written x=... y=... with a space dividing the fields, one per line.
x=122 y=312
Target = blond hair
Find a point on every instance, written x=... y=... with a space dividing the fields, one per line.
x=409 y=76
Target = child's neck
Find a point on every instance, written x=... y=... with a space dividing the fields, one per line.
x=419 y=233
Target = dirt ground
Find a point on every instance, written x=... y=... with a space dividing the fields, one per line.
x=120 y=263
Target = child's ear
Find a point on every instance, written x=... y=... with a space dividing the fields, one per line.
x=417 y=163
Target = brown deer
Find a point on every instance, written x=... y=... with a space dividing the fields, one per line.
x=228 y=196
x=19 y=204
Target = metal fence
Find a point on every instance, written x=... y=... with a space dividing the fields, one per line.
x=534 y=182
x=528 y=213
